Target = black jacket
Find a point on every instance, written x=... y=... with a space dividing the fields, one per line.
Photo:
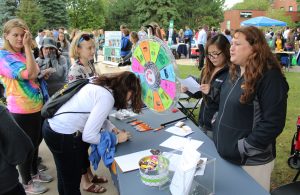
x=210 y=105
x=245 y=134
x=15 y=146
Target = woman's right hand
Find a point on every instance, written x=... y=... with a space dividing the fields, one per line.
x=183 y=89
x=123 y=136
x=27 y=39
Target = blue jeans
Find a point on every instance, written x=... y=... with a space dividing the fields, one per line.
x=67 y=150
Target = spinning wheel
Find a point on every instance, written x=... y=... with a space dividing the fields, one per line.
x=154 y=64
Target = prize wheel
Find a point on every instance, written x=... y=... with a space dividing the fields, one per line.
x=154 y=64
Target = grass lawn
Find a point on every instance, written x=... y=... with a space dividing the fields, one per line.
x=282 y=172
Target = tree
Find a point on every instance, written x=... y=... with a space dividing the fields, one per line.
x=279 y=14
x=261 y=5
x=86 y=14
x=194 y=13
x=121 y=12
x=8 y=10
x=32 y=14
x=160 y=11
x=54 y=12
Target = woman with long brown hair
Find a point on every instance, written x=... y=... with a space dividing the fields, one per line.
x=66 y=133
x=212 y=77
x=252 y=107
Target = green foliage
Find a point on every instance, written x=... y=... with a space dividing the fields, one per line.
x=135 y=13
x=279 y=14
x=195 y=13
x=160 y=11
x=32 y=14
x=8 y=10
x=54 y=12
x=86 y=14
x=262 y=5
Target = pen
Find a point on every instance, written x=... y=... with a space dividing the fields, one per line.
x=163 y=125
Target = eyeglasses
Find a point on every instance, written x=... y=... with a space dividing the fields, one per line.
x=49 y=48
x=85 y=37
x=213 y=55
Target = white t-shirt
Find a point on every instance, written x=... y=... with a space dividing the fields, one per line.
x=91 y=98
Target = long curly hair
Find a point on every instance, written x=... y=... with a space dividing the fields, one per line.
x=121 y=84
x=261 y=60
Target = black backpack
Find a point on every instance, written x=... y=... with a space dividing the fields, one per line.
x=61 y=97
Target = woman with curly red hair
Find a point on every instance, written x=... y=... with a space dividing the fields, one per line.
x=252 y=107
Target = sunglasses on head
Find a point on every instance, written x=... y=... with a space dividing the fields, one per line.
x=85 y=37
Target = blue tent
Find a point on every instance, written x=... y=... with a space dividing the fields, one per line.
x=262 y=21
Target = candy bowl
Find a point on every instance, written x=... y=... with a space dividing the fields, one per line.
x=154 y=170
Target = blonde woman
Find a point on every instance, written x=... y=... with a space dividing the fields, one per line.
x=18 y=73
x=82 y=51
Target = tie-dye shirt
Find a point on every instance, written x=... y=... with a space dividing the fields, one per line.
x=22 y=95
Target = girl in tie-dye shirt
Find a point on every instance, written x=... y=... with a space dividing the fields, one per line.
x=23 y=95
x=18 y=74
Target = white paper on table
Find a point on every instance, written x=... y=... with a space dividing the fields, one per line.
x=123 y=114
x=173 y=159
x=185 y=170
x=201 y=169
x=130 y=162
x=179 y=131
x=191 y=84
x=178 y=143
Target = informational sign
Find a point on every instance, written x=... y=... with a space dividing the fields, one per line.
x=245 y=14
x=171 y=26
x=112 y=47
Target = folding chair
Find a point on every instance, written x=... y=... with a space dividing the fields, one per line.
x=187 y=107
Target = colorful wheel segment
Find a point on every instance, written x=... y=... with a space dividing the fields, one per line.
x=154 y=64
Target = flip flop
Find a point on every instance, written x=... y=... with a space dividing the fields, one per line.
x=98 y=179
x=96 y=189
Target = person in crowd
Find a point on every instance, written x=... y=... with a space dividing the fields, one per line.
x=64 y=134
x=227 y=34
x=54 y=63
x=174 y=37
x=82 y=50
x=188 y=37
x=180 y=38
x=55 y=33
x=134 y=38
x=101 y=39
x=249 y=117
x=201 y=41
x=64 y=48
x=290 y=41
x=154 y=29
x=96 y=38
x=18 y=73
x=35 y=49
x=142 y=33
x=126 y=45
x=211 y=80
x=39 y=38
x=74 y=32
x=11 y=154
x=279 y=42
x=49 y=33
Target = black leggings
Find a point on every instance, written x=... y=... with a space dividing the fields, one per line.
x=18 y=190
x=31 y=125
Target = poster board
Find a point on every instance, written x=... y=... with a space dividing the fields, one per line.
x=112 y=47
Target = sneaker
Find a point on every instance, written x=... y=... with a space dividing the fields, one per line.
x=35 y=188
x=42 y=177
x=42 y=167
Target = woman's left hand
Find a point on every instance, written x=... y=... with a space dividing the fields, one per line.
x=205 y=88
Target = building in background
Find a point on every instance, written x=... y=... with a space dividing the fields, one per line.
x=233 y=18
